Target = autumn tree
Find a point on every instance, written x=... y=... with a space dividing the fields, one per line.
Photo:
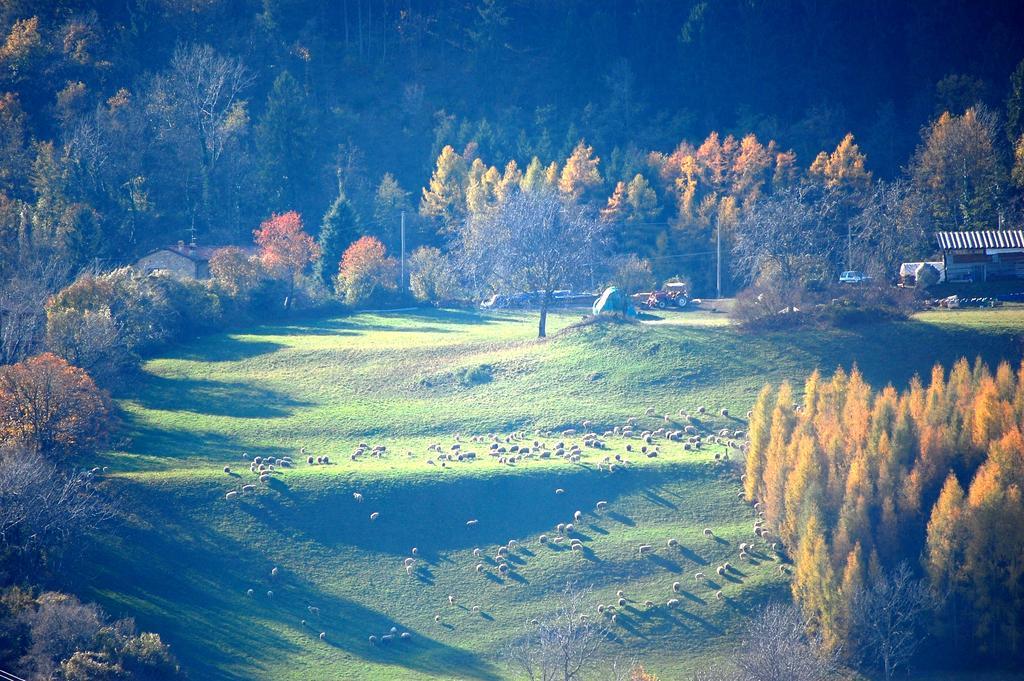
x=958 y=171
x=580 y=173
x=444 y=199
x=285 y=249
x=235 y=271
x=366 y=273
x=844 y=168
x=533 y=177
x=52 y=406
x=631 y=210
x=759 y=424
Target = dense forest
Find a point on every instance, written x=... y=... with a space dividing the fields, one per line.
x=128 y=125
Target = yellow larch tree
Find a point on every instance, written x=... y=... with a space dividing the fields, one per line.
x=580 y=172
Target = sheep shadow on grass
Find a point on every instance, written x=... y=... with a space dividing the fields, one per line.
x=690 y=596
x=664 y=563
x=627 y=624
x=619 y=518
x=701 y=621
x=651 y=496
x=690 y=554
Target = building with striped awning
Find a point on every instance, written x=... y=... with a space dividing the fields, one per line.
x=983 y=255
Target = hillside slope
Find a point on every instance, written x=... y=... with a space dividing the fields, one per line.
x=187 y=556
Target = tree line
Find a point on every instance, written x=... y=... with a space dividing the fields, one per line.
x=856 y=484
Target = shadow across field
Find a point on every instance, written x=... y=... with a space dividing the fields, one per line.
x=189 y=582
x=211 y=398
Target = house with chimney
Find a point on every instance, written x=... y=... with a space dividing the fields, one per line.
x=185 y=261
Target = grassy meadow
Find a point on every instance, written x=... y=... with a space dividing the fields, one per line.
x=187 y=556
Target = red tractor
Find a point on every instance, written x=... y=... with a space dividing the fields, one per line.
x=672 y=294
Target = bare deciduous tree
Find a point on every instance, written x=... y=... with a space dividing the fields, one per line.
x=534 y=241
x=41 y=504
x=566 y=643
x=787 y=237
x=892 y=226
x=22 y=318
x=887 y=619
x=197 y=107
x=777 y=646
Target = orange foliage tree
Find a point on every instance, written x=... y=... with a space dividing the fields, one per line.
x=854 y=481
x=52 y=406
x=366 y=271
x=285 y=249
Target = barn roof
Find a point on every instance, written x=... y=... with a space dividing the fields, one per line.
x=988 y=238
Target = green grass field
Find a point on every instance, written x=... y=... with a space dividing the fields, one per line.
x=184 y=558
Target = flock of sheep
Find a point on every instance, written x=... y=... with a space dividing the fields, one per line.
x=571 y=446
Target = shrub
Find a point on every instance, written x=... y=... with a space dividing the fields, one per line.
x=366 y=275
x=144 y=316
x=236 y=273
x=432 y=276
x=52 y=406
x=88 y=339
x=192 y=306
x=477 y=375
x=633 y=274
x=769 y=305
x=926 y=276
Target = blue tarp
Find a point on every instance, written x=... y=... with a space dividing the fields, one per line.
x=613 y=301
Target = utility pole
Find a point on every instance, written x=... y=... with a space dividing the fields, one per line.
x=718 y=263
x=401 y=280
